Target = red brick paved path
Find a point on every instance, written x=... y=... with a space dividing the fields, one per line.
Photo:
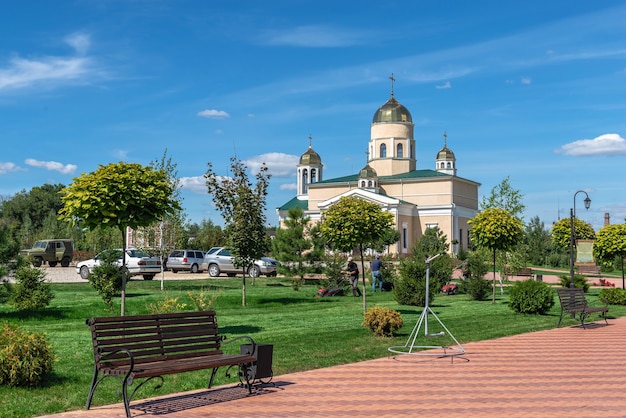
x=565 y=372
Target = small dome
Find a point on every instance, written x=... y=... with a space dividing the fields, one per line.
x=310 y=157
x=445 y=154
x=392 y=111
x=368 y=172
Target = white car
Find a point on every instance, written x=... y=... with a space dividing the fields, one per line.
x=137 y=263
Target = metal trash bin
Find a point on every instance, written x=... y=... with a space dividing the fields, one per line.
x=540 y=277
x=262 y=367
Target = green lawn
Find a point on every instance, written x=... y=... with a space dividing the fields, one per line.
x=306 y=332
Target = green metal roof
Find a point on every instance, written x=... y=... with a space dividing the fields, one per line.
x=302 y=204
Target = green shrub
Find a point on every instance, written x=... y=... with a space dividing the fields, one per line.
x=580 y=281
x=167 y=305
x=531 y=297
x=31 y=291
x=613 y=296
x=204 y=300
x=382 y=321
x=107 y=280
x=25 y=359
x=477 y=287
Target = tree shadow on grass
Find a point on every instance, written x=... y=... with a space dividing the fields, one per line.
x=39 y=315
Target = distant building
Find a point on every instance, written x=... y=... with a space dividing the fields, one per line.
x=418 y=199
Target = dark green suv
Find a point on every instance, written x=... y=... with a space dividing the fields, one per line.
x=51 y=251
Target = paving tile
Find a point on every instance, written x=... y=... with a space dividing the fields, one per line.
x=563 y=372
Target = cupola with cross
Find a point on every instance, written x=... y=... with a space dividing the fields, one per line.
x=446 y=161
x=391 y=145
x=309 y=169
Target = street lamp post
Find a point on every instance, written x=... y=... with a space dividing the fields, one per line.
x=572 y=239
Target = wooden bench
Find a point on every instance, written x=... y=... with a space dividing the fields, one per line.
x=573 y=301
x=590 y=270
x=151 y=346
x=525 y=271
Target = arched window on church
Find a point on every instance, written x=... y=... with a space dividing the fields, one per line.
x=362 y=183
x=369 y=183
x=399 y=151
x=305 y=181
x=449 y=165
x=313 y=175
x=383 y=151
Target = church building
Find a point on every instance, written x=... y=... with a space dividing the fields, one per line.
x=418 y=198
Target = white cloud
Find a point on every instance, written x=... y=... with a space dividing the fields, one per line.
x=23 y=73
x=80 y=42
x=213 y=114
x=445 y=85
x=526 y=80
x=289 y=186
x=318 y=36
x=279 y=164
x=607 y=144
x=52 y=165
x=8 y=168
x=195 y=184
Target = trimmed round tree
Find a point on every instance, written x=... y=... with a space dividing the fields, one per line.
x=610 y=243
x=119 y=195
x=496 y=229
x=353 y=223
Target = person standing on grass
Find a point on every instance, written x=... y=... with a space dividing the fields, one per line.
x=376 y=274
x=353 y=271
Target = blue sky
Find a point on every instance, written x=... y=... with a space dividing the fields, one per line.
x=532 y=90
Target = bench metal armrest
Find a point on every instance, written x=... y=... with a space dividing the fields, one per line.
x=131 y=358
x=243 y=337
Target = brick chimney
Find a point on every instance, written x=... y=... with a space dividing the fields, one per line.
x=607 y=219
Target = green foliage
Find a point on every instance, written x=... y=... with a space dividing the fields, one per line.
x=243 y=208
x=496 y=229
x=538 y=242
x=476 y=287
x=106 y=278
x=31 y=291
x=204 y=300
x=410 y=285
x=610 y=242
x=352 y=223
x=382 y=321
x=477 y=264
x=613 y=296
x=30 y=211
x=504 y=196
x=561 y=232
x=121 y=195
x=292 y=243
x=531 y=297
x=166 y=305
x=25 y=358
x=206 y=236
x=580 y=281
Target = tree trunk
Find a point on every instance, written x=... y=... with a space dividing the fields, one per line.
x=243 y=289
x=494 y=276
x=123 y=309
x=364 y=287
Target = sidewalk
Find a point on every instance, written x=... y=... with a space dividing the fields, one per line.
x=562 y=372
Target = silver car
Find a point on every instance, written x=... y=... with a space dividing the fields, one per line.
x=221 y=261
x=187 y=260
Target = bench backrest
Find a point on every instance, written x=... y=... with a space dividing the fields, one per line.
x=154 y=337
x=572 y=298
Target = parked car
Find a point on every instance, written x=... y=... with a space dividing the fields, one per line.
x=221 y=261
x=52 y=251
x=188 y=260
x=137 y=263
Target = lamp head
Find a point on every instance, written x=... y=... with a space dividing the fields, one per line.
x=587 y=202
